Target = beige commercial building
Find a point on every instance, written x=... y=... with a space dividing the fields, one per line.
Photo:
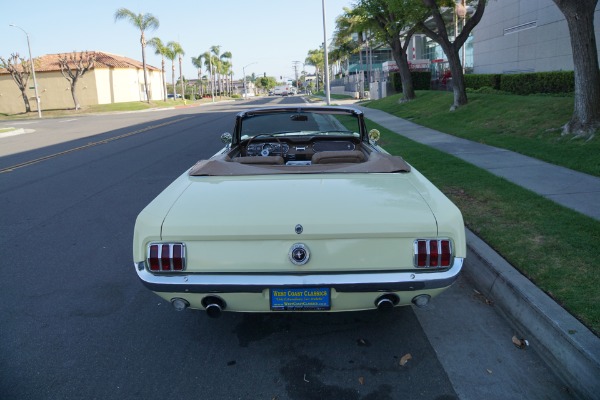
x=114 y=79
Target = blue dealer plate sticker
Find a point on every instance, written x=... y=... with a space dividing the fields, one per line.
x=300 y=299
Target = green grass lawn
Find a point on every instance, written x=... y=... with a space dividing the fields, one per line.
x=103 y=108
x=553 y=246
x=529 y=125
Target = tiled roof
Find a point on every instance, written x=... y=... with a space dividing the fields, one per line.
x=49 y=62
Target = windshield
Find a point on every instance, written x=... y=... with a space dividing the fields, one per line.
x=299 y=123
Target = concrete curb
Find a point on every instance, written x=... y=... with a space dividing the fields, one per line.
x=569 y=348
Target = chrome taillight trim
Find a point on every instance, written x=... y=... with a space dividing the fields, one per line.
x=428 y=252
x=171 y=265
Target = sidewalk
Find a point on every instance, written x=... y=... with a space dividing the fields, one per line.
x=572 y=189
x=570 y=349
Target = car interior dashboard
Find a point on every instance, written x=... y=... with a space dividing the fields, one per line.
x=301 y=151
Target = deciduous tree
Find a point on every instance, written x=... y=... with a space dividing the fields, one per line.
x=580 y=20
x=20 y=70
x=73 y=67
x=266 y=82
x=394 y=22
x=438 y=32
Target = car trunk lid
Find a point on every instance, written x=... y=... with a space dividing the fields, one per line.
x=347 y=221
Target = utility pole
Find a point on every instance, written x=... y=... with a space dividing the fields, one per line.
x=296 y=63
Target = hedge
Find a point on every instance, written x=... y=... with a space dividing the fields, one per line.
x=539 y=82
x=477 y=81
x=421 y=80
x=524 y=84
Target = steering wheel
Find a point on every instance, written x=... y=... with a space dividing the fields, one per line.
x=268 y=135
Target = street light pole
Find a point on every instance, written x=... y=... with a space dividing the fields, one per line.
x=326 y=72
x=244 y=73
x=35 y=87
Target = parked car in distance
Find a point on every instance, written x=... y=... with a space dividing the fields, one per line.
x=301 y=211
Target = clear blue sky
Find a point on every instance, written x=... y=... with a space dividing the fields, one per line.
x=270 y=33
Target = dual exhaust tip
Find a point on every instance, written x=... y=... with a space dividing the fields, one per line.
x=386 y=302
x=214 y=306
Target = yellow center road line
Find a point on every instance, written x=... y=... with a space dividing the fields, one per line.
x=92 y=144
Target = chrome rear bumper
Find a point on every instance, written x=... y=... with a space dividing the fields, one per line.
x=343 y=282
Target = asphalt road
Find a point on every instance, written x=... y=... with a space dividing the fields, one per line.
x=76 y=323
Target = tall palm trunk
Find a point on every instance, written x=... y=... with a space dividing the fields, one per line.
x=200 y=82
x=181 y=79
x=164 y=80
x=173 y=80
x=146 y=91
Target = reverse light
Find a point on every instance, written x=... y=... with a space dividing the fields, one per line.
x=166 y=257
x=432 y=253
x=179 y=304
x=422 y=300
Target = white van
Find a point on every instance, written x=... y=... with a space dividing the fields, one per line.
x=281 y=90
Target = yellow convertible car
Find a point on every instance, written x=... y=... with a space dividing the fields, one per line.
x=300 y=212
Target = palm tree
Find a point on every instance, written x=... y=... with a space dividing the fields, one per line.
x=197 y=62
x=225 y=59
x=316 y=58
x=344 y=45
x=226 y=70
x=143 y=22
x=349 y=23
x=175 y=50
x=208 y=61
x=179 y=51
x=170 y=55
x=216 y=51
x=160 y=49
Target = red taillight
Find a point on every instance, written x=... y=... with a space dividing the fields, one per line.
x=446 y=253
x=431 y=253
x=177 y=257
x=153 y=258
x=421 y=253
x=165 y=257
